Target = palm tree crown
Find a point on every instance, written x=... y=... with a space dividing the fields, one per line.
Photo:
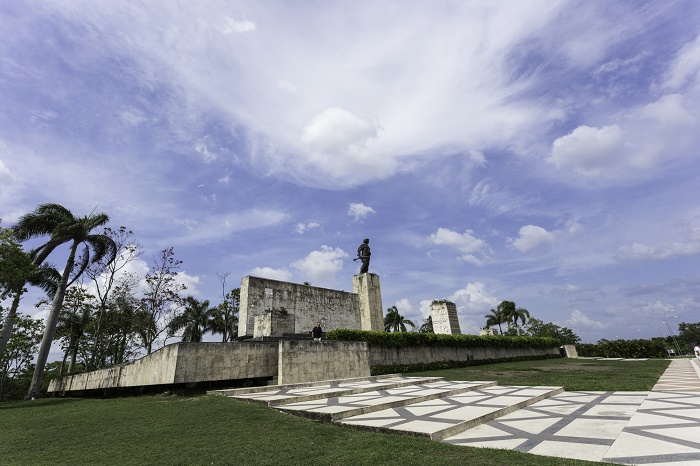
x=395 y=322
x=197 y=319
x=496 y=317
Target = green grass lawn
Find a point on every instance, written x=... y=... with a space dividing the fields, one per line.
x=210 y=430
x=572 y=374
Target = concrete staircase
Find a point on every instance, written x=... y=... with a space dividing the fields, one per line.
x=421 y=406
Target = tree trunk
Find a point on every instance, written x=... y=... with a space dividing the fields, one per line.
x=50 y=330
x=9 y=324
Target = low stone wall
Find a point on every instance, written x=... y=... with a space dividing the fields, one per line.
x=386 y=356
x=309 y=361
x=180 y=363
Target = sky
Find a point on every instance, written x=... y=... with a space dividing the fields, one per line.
x=542 y=152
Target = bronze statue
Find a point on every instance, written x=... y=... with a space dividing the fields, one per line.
x=363 y=255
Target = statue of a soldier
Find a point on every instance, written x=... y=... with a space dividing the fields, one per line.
x=363 y=255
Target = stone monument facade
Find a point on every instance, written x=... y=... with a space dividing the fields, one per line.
x=445 y=320
x=366 y=286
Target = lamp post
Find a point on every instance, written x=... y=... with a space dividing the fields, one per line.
x=673 y=337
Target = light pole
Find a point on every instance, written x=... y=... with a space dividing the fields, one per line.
x=673 y=337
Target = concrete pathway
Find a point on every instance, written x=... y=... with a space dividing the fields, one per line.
x=661 y=427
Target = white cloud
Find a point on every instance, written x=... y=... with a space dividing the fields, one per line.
x=641 y=252
x=321 y=266
x=302 y=228
x=273 y=274
x=404 y=306
x=465 y=243
x=532 y=237
x=202 y=149
x=335 y=130
x=588 y=150
x=220 y=226
x=685 y=68
x=359 y=211
x=474 y=298
x=4 y=171
x=237 y=26
x=579 y=320
x=477 y=157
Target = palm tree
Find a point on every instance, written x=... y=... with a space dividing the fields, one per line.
x=513 y=313
x=496 y=317
x=395 y=322
x=427 y=326
x=45 y=277
x=62 y=226
x=197 y=319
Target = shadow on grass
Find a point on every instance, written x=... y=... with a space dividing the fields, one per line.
x=40 y=403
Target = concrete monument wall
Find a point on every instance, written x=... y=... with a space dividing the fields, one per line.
x=309 y=304
x=444 y=316
x=367 y=287
x=181 y=363
x=309 y=361
x=273 y=324
x=386 y=356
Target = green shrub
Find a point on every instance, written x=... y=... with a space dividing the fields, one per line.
x=623 y=349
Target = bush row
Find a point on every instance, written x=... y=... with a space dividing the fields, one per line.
x=435 y=366
x=623 y=349
x=404 y=339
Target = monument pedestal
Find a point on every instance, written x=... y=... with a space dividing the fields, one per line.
x=366 y=286
x=445 y=320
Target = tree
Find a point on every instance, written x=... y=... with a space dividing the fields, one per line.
x=395 y=322
x=197 y=319
x=16 y=269
x=105 y=275
x=427 y=326
x=161 y=301
x=513 y=313
x=73 y=321
x=688 y=334
x=226 y=316
x=496 y=317
x=565 y=336
x=62 y=226
x=20 y=352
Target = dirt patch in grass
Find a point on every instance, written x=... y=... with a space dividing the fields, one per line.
x=579 y=367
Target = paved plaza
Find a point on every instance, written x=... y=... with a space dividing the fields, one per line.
x=661 y=427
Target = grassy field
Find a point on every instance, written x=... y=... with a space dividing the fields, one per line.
x=572 y=374
x=208 y=430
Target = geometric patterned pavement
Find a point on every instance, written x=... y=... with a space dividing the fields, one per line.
x=661 y=427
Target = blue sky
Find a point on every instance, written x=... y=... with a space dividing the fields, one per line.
x=542 y=152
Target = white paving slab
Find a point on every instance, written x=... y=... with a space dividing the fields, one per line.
x=443 y=417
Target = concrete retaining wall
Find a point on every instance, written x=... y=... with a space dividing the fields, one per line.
x=309 y=361
x=180 y=363
x=383 y=356
x=309 y=304
x=292 y=361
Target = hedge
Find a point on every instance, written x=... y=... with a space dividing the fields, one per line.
x=405 y=339
x=623 y=349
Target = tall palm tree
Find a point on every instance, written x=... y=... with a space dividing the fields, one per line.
x=513 y=313
x=395 y=322
x=45 y=277
x=62 y=226
x=496 y=317
x=197 y=319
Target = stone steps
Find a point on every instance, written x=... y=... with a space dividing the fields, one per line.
x=303 y=392
x=354 y=404
x=444 y=417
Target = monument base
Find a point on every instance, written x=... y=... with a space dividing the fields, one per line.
x=366 y=286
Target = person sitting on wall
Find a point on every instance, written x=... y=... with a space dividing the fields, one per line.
x=317 y=332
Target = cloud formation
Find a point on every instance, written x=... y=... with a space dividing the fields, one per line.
x=465 y=243
x=532 y=237
x=358 y=211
